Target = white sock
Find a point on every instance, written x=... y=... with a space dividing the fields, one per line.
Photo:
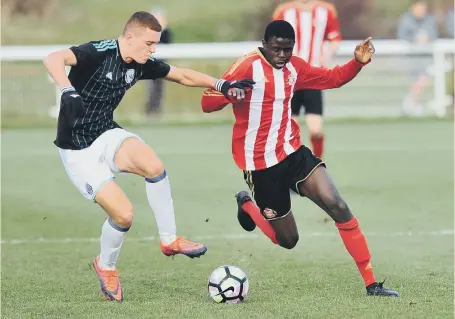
x=112 y=237
x=160 y=199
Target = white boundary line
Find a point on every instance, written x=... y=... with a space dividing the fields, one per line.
x=69 y=240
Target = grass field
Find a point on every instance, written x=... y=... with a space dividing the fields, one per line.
x=396 y=177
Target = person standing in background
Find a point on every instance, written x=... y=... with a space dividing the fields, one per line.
x=450 y=30
x=155 y=88
x=314 y=23
x=450 y=22
x=420 y=28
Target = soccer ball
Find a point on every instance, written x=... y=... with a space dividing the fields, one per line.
x=228 y=284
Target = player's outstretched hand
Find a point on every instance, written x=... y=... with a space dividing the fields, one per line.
x=236 y=89
x=364 y=51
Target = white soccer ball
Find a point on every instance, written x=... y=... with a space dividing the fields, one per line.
x=228 y=284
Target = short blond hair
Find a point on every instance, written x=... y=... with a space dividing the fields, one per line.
x=144 y=19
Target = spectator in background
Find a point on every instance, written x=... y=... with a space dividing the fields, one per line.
x=450 y=31
x=450 y=22
x=155 y=88
x=420 y=28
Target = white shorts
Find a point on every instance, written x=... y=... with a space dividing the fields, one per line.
x=92 y=167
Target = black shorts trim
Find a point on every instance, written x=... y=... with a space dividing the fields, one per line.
x=305 y=178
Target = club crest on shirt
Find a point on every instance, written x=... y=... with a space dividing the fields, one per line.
x=291 y=79
x=129 y=76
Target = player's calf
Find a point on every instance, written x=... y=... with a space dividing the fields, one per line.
x=287 y=234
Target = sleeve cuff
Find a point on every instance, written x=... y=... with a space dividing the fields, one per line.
x=67 y=89
x=219 y=84
x=360 y=64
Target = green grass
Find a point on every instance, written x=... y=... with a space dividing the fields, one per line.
x=397 y=178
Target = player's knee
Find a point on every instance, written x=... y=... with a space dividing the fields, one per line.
x=316 y=132
x=125 y=217
x=340 y=210
x=154 y=169
x=289 y=241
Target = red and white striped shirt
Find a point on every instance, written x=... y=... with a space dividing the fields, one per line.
x=264 y=133
x=314 y=23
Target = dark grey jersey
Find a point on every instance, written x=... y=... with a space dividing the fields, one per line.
x=101 y=77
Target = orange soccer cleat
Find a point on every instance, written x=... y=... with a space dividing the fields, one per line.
x=110 y=284
x=185 y=247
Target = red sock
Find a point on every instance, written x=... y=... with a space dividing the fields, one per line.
x=357 y=246
x=251 y=209
x=318 y=145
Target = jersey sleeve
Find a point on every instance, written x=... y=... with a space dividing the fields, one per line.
x=333 y=32
x=316 y=78
x=86 y=54
x=213 y=100
x=155 y=69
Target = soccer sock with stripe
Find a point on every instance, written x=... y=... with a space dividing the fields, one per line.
x=112 y=237
x=357 y=246
x=160 y=200
x=251 y=209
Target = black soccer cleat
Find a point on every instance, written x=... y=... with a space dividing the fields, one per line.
x=244 y=219
x=377 y=289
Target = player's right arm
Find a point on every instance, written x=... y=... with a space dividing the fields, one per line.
x=85 y=56
x=56 y=63
x=213 y=100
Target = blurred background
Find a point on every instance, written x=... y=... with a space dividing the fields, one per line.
x=391 y=158
x=29 y=97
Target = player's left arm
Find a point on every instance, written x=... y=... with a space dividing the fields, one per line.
x=310 y=77
x=188 y=77
x=193 y=78
x=155 y=69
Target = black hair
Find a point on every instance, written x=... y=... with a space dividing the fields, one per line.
x=279 y=29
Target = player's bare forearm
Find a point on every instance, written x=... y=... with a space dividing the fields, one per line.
x=56 y=63
x=191 y=78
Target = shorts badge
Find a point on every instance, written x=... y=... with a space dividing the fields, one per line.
x=269 y=213
x=89 y=189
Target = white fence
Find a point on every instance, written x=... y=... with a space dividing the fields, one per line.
x=390 y=54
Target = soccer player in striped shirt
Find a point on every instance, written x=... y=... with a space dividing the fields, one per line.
x=93 y=147
x=266 y=144
x=314 y=22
